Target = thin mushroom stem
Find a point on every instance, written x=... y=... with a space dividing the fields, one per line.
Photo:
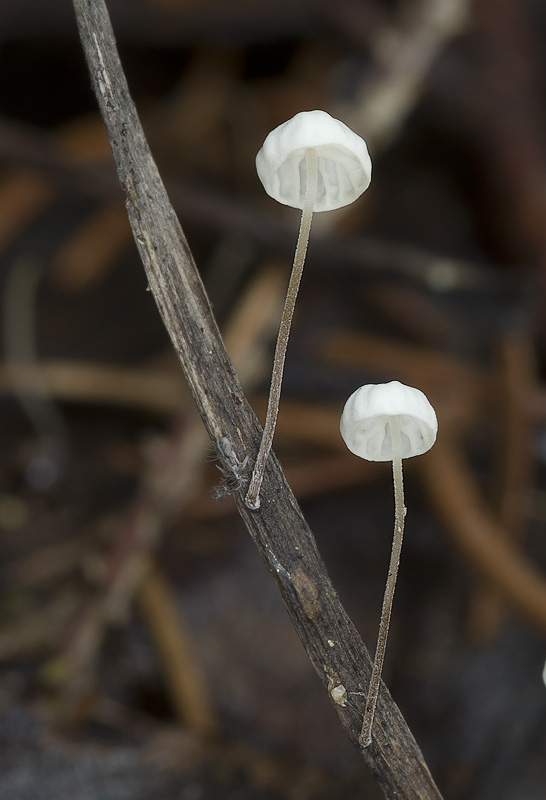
x=252 y=499
x=398 y=535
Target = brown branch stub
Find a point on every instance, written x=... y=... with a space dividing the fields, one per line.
x=278 y=528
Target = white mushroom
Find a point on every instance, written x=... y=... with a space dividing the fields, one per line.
x=387 y=422
x=343 y=166
x=316 y=163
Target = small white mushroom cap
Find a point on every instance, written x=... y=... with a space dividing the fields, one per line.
x=364 y=421
x=344 y=168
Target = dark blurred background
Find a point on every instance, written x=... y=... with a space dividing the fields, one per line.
x=144 y=650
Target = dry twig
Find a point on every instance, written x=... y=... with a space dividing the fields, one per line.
x=174 y=643
x=513 y=476
x=478 y=535
x=404 y=54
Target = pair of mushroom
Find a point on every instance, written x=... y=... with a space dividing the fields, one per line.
x=316 y=163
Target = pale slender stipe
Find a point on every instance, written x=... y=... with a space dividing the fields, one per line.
x=398 y=536
x=253 y=495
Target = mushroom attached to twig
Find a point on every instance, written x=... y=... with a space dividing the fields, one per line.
x=316 y=163
x=387 y=422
